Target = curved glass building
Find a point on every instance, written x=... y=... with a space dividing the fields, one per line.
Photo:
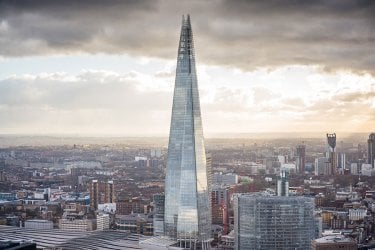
x=273 y=222
x=187 y=208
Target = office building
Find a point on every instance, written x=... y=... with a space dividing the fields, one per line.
x=301 y=158
x=159 y=203
x=357 y=214
x=341 y=162
x=321 y=166
x=187 y=208
x=101 y=192
x=273 y=222
x=102 y=221
x=135 y=223
x=283 y=183
x=371 y=150
x=354 y=168
x=76 y=224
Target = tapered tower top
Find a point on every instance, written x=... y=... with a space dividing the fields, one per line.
x=186 y=54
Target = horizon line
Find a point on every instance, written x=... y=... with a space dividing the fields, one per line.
x=162 y=135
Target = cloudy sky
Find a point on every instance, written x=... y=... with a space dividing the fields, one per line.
x=107 y=67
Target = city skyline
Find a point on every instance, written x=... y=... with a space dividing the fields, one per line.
x=95 y=68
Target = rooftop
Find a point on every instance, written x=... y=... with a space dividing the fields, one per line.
x=50 y=238
x=334 y=239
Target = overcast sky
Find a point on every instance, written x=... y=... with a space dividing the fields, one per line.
x=107 y=67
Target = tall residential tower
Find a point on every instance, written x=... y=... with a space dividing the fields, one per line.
x=371 y=150
x=301 y=156
x=331 y=154
x=187 y=209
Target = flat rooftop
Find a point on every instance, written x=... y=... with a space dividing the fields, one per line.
x=334 y=239
x=52 y=238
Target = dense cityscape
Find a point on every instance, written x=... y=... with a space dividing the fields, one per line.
x=291 y=190
x=52 y=187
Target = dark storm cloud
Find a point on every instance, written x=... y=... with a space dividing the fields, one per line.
x=336 y=34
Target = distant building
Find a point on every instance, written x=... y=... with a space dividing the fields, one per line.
x=156 y=153
x=367 y=170
x=318 y=226
x=102 y=221
x=218 y=178
x=354 y=168
x=371 y=150
x=101 y=192
x=8 y=197
x=290 y=167
x=76 y=224
x=341 y=162
x=42 y=194
x=107 y=208
x=282 y=159
x=331 y=154
x=273 y=222
x=76 y=172
x=283 y=183
x=220 y=203
x=337 y=242
x=344 y=195
x=126 y=206
x=135 y=223
x=12 y=221
x=301 y=158
x=158 y=220
x=357 y=214
x=38 y=224
x=321 y=166
x=227 y=241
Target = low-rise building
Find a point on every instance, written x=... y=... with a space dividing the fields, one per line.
x=135 y=223
x=38 y=224
x=337 y=242
x=102 y=221
x=129 y=206
x=7 y=196
x=76 y=224
x=357 y=214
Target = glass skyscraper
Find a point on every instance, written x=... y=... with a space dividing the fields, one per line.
x=187 y=208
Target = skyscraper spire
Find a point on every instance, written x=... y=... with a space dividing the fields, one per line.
x=187 y=213
x=186 y=57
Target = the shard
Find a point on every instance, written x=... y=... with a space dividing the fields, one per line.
x=187 y=206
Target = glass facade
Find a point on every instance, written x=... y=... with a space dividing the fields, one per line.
x=273 y=222
x=187 y=209
x=159 y=204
